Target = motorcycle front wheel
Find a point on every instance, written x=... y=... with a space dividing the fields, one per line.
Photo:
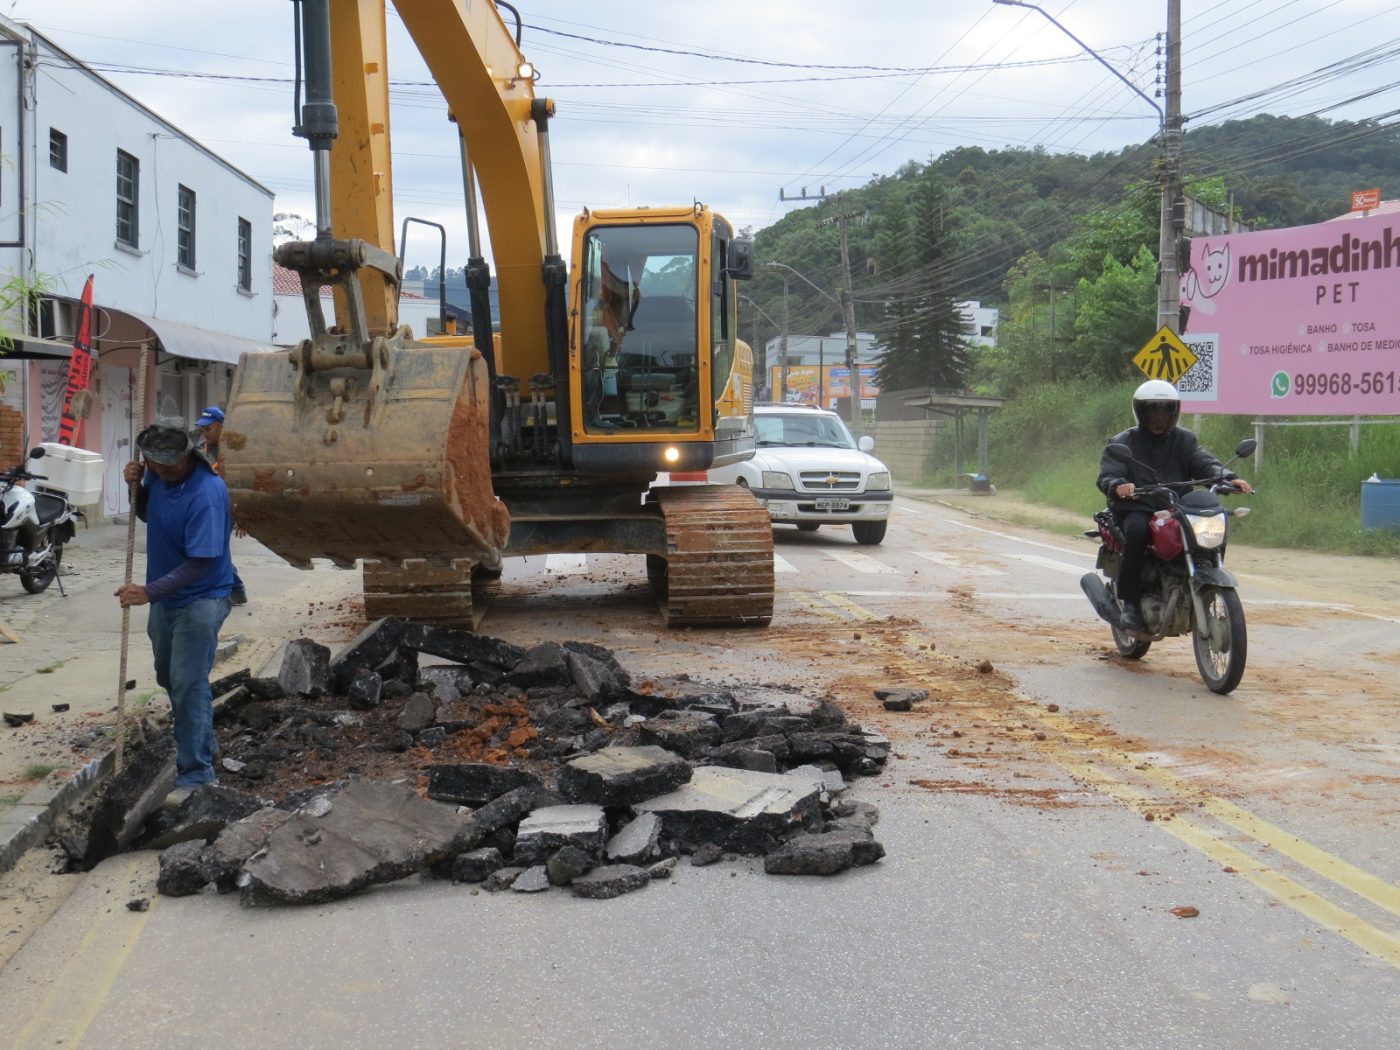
x=37 y=579
x=1220 y=642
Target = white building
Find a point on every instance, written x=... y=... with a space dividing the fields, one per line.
x=981 y=321
x=178 y=239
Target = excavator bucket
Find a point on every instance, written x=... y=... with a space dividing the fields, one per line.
x=387 y=464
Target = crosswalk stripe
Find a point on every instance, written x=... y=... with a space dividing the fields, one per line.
x=861 y=562
x=1050 y=563
x=953 y=562
x=566 y=564
x=781 y=564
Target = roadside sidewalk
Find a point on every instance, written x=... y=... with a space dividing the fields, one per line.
x=69 y=654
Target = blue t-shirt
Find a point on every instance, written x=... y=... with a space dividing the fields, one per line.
x=189 y=519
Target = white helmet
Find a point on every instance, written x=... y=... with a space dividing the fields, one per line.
x=1155 y=393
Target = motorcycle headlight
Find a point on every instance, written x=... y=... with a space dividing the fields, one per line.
x=776 y=479
x=879 y=482
x=1208 y=530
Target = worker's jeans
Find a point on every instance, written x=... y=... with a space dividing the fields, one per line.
x=184 y=641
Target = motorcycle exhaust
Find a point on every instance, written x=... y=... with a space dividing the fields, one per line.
x=1097 y=593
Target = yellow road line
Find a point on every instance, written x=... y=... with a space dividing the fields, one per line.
x=1303 y=900
x=78 y=992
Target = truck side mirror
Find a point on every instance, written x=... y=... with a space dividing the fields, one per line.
x=739 y=265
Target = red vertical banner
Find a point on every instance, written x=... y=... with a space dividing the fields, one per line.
x=70 y=427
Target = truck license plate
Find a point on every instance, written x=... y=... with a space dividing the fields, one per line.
x=833 y=504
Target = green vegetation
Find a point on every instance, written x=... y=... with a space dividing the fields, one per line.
x=1047 y=444
x=37 y=771
x=1064 y=245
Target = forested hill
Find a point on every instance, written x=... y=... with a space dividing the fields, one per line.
x=1064 y=244
x=996 y=205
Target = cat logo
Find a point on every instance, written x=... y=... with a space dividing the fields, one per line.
x=1165 y=356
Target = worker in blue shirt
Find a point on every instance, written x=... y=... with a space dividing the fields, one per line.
x=189 y=575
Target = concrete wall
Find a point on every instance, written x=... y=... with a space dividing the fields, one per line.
x=907 y=447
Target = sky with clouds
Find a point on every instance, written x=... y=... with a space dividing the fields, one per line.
x=739 y=104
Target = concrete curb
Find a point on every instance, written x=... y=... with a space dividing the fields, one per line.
x=30 y=822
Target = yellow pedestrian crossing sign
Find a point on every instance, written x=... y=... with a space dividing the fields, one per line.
x=1165 y=356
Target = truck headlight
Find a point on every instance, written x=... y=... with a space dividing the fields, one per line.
x=777 y=479
x=1209 y=531
x=878 y=482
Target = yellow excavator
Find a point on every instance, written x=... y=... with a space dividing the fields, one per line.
x=428 y=460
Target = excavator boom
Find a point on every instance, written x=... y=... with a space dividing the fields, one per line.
x=429 y=459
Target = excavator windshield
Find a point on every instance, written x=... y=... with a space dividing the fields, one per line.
x=640 y=330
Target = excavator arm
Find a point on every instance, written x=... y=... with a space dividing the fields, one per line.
x=361 y=443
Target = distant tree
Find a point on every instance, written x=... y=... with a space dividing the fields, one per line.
x=1115 y=315
x=936 y=353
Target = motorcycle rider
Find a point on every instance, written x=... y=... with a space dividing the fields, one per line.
x=1174 y=455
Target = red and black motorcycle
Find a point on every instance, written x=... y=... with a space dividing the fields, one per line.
x=1185 y=585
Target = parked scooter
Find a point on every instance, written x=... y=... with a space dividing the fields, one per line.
x=1185 y=585
x=34 y=526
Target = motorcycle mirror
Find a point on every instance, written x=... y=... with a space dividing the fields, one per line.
x=1119 y=453
x=37 y=452
x=1246 y=448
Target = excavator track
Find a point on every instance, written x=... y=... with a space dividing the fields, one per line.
x=718 y=566
x=454 y=595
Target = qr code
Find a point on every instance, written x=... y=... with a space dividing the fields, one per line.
x=1201 y=381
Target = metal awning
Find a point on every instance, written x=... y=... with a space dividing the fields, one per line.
x=28 y=347
x=198 y=344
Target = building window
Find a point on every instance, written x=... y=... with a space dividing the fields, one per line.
x=185 y=222
x=245 y=255
x=58 y=149
x=128 y=188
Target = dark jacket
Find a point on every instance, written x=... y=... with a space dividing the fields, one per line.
x=1173 y=456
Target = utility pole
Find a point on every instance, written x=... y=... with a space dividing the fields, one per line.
x=848 y=313
x=1173 y=209
x=782 y=384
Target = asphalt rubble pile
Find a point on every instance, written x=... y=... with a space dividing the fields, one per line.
x=468 y=758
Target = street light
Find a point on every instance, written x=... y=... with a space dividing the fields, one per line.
x=1161 y=117
x=821 y=343
x=781 y=331
x=1169 y=125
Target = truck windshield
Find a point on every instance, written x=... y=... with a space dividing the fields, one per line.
x=640 y=334
x=826 y=431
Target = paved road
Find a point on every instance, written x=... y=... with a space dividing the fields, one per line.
x=1045 y=813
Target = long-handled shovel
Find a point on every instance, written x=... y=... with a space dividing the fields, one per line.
x=130 y=559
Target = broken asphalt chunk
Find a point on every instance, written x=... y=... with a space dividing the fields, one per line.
x=205 y=813
x=823 y=854
x=461 y=647
x=370 y=648
x=129 y=799
x=737 y=809
x=476 y=783
x=612 y=880
x=687 y=732
x=476 y=865
x=547 y=829
x=365 y=833
x=638 y=843
x=184 y=871
x=620 y=776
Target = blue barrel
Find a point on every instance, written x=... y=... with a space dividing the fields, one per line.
x=1380 y=504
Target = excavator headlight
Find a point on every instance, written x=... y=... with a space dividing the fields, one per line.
x=525 y=71
x=672 y=454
